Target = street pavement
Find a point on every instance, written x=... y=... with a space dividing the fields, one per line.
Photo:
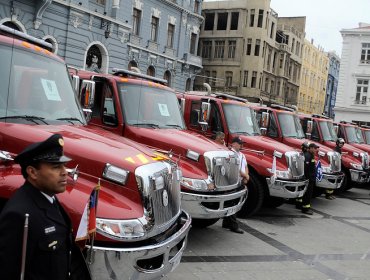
x=284 y=244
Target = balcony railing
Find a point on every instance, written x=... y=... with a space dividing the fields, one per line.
x=193 y=59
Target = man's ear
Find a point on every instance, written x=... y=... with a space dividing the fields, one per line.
x=32 y=172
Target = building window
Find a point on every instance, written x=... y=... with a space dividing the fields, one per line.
x=193 y=43
x=229 y=79
x=249 y=46
x=245 y=79
x=281 y=60
x=260 y=18
x=206 y=49
x=154 y=29
x=267 y=85
x=167 y=77
x=196 y=7
x=365 y=53
x=136 y=18
x=170 y=35
x=254 y=79
x=257 y=47
x=272 y=88
x=209 y=21
x=150 y=71
x=188 y=84
x=207 y=74
x=234 y=21
x=219 y=49
x=131 y=64
x=251 y=17
x=232 y=48
x=361 y=92
x=222 y=21
x=214 y=77
x=272 y=30
x=101 y=2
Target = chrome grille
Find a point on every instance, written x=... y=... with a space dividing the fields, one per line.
x=226 y=171
x=365 y=160
x=161 y=202
x=335 y=161
x=295 y=162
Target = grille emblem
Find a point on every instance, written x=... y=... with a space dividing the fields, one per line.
x=165 y=198
x=223 y=170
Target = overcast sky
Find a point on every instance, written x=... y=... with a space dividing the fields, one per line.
x=325 y=18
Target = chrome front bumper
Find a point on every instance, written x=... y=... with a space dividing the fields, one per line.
x=146 y=262
x=213 y=205
x=359 y=176
x=330 y=181
x=287 y=189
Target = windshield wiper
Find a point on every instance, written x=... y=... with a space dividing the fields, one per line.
x=242 y=132
x=147 y=124
x=26 y=117
x=174 y=125
x=71 y=120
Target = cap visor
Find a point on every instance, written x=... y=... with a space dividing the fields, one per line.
x=62 y=159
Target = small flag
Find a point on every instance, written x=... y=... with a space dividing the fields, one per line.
x=319 y=174
x=273 y=171
x=87 y=224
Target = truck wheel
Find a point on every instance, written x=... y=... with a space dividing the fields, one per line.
x=203 y=223
x=273 y=202
x=256 y=194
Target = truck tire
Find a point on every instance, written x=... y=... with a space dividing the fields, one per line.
x=273 y=202
x=256 y=195
x=203 y=223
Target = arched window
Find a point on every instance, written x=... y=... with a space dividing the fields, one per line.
x=51 y=40
x=167 y=76
x=12 y=25
x=188 y=84
x=94 y=59
x=132 y=63
x=151 y=71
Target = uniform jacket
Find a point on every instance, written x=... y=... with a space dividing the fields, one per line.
x=51 y=252
x=309 y=166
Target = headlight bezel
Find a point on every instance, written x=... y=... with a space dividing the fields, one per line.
x=190 y=183
x=193 y=155
x=356 y=166
x=282 y=174
x=135 y=229
x=115 y=174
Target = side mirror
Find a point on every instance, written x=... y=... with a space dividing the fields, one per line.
x=76 y=83
x=86 y=97
x=308 y=135
x=265 y=119
x=205 y=112
x=263 y=131
x=336 y=129
x=309 y=127
x=182 y=105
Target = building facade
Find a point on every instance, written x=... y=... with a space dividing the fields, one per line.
x=332 y=84
x=159 y=37
x=353 y=99
x=249 y=51
x=313 y=80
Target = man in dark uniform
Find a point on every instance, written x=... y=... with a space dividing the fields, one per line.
x=298 y=201
x=339 y=145
x=51 y=252
x=310 y=174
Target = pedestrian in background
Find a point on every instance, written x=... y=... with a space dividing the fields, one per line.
x=51 y=252
x=310 y=174
x=229 y=222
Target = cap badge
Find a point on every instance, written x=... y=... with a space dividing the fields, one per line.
x=61 y=142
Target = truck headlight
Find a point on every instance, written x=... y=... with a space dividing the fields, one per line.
x=197 y=185
x=326 y=169
x=115 y=174
x=356 y=166
x=282 y=174
x=120 y=229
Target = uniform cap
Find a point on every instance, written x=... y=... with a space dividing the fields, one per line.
x=313 y=145
x=237 y=140
x=50 y=150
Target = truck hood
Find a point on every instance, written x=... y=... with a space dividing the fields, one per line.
x=363 y=147
x=349 y=149
x=263 y=143
x=297 y=143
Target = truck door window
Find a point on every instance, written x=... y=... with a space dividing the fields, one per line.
x=215 y=119
x=5 y=58
x=109 y=112
x=272 y=129
x=194 y=113
x=315 y=132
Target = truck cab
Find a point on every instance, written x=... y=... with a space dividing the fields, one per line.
x=142 y=108
x=355 y=162
x=283 y=125
x=365 y=131
x=235 y=117
x=141 y=229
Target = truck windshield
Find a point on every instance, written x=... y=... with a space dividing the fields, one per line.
x=290 y=126
x=367 y=136
x=241 y=119
x=352 y=136
x=150 y=106
x=327 y=131
x=359 y=135
x=35 y=88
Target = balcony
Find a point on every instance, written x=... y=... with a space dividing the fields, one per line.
x=193 y=60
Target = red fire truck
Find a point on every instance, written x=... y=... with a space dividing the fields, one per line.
x=141 y=108
x=355 y=162
x=207 y=113
x=283 y=125
x=141 y=229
